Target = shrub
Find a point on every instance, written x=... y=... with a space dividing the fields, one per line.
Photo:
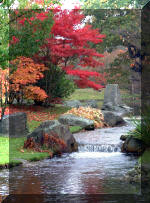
x=137 y=131
x=51 y=143
x=56 y=85
x=89 y=113
x=142 y=128
x=24 y=73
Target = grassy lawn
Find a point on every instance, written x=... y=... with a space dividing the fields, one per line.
x=11 y=151
x=127 y=97
x=4 y=150
x=33 y=124
x=89 y=93
x=17 y=151
x=57 y=110
x=86 y=94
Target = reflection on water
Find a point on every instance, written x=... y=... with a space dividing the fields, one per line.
x=77 y=173
x=76 y=198
x=4 y=182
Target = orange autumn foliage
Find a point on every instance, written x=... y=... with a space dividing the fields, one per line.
x=4 y=90
x=35 y=92
x=4 y=84
x=31 y=145
x=33 y=113
x=51 y=141
x=26 y=74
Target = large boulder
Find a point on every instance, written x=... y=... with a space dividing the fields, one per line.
x=123 y=137
x=54 y=127
x=73 y=120
x=14 y=125
x=72 y=103
x=120 y=110
x=112 y=100
x=133 y=145
x=112 y=119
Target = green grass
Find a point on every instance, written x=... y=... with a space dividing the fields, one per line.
x=33 y=124
x=129 y=98
x=100 y=104
x=15 y=144
x=10 y=151
x=145 y=158
x=142 y=128
x=58 y=109
x=89 y=93
x=86 y=94
x=4 y=150
x=137 y=131
x=75 y=129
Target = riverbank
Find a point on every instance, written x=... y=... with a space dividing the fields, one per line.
x=138 y=140
x=141 y=171
x=12 y=151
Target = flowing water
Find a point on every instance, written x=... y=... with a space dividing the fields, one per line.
x=97 y=168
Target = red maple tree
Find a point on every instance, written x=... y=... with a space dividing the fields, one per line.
x=69 y=42
x=68 y=45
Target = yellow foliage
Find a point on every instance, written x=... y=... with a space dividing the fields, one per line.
x=89 y=113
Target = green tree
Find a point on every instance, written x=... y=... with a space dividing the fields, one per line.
x=31 y=36
x=114 y=4
x=6 y=23
x=4 y=37
x=122 y=26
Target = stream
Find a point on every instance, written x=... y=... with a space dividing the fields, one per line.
x=97 y=168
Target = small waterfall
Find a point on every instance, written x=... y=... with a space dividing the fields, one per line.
x=98 y=148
